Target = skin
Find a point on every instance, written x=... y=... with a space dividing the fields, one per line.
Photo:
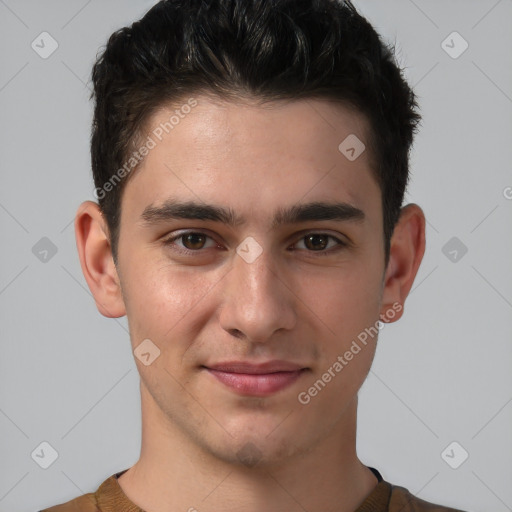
x=213 y=306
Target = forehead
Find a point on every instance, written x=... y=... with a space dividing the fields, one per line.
x=253 y=156
x=305 y=128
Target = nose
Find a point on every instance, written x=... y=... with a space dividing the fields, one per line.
x=257 y=300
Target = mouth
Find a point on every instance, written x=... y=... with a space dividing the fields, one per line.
x=263 y=379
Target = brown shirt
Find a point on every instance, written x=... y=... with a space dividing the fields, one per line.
x=385 y=497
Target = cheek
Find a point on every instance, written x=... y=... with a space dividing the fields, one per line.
x=333 y=388
x=347 y=302
x=165 y=302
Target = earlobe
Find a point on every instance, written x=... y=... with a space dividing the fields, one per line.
x=94 y=251
x=406 y=252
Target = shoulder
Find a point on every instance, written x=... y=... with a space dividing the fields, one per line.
x=108 y=497
x=401 y=500
x=100 y=500
x=84 y=503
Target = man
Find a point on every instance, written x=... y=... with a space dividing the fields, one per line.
x=250 y=159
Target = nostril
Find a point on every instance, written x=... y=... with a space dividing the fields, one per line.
x=236 y=333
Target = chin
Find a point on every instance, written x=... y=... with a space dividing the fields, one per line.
x=257 y=444
x=255 y=453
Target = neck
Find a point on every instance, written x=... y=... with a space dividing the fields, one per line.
x=175 y=473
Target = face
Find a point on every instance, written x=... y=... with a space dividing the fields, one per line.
x=250 y=309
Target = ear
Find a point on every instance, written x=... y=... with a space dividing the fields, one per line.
x=407 y=247
x=94 y=251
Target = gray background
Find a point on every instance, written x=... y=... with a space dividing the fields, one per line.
x=441 y=374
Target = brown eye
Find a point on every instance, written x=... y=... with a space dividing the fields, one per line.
x=320 y=243
x=316 y=242
x=190 y=242
x=193 y=241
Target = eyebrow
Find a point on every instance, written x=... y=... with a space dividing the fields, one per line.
x=314 y=211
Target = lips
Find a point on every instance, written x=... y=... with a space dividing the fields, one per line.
x=262 y=379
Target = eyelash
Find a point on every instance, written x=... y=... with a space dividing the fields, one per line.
x=169 y=242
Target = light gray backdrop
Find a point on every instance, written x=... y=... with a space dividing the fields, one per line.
x=442 y=374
